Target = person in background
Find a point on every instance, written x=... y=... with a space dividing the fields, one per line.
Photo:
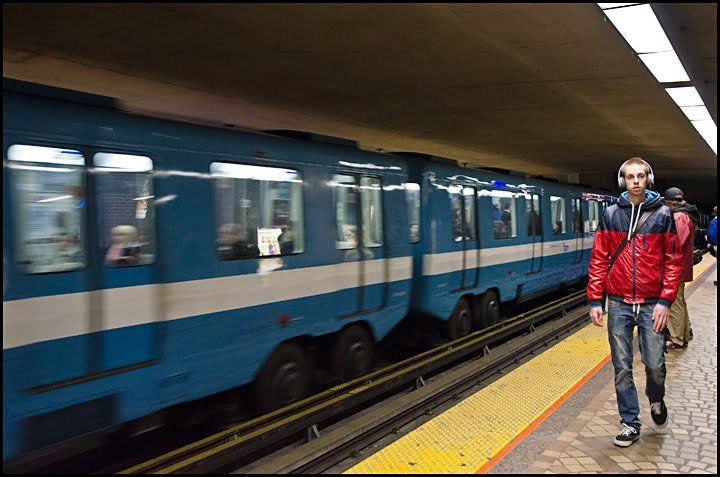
x=123 y=250
x=633 y=261
x=233 y=243
x=686 y=216
x=286 y=239
x=712 y=236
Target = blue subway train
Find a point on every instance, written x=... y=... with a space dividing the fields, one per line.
x=148 y=263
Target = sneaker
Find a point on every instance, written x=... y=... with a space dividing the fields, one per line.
x=659 y=413
x=670 y=345
x=627 y=436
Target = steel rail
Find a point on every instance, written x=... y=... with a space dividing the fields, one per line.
x=226 y=448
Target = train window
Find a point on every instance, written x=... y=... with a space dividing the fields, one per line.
x=259 y=211
x=557 y=214
x=463 y=212
x=456 y=212
x=504 y=214
x=126 y=213
x=371 y=198
x=345 y=198
x=532 y=209
x=593 y=215
x=577 y=218
x=469 y=207
x=49 y=193
x=412 y=195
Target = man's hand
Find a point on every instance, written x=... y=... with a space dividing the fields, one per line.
x=596 y=315
x=661 y=314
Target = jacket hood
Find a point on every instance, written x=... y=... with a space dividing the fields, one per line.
x=653 y=200
x=690 y=210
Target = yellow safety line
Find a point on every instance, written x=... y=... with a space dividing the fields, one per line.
x=476 y=433
x=465 y=437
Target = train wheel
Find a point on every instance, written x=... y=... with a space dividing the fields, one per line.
x=353 y=353
x=460 y=322
x=488 y=310
x=284 y=378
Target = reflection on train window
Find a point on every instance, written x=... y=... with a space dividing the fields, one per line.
x=469 y=208
x=504 y=214
x=577 y=218
x=593 y=214
x=462 y=208
x=49 y=196
x=557 y=214
x=345 y=198
x=456 y=212
x=412 y=195
x=532 y=211
x=371 y=199
x=259 y=211
x=125 y=206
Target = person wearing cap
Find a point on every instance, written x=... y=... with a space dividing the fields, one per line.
x=686 y=216
x=634 y=265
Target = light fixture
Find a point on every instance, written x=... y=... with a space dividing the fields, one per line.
x=665 y=66
x=708 y=131
x=685 y=96
x=696 y=113
x=640 y=27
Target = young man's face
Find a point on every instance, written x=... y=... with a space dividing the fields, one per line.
x=635 y=179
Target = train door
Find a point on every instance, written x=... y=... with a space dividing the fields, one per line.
x=374 y=271
x=463 y=202
x=535 y=233
x=46 y=299
x=126 y=304
x=360 y=242
x=578 y=232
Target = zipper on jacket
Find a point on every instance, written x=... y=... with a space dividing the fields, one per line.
x=634 y=275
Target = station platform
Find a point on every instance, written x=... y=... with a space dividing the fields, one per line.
x=557 y=412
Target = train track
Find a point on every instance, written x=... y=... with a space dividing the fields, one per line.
x=241 y=444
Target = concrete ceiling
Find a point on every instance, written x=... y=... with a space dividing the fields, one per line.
x=548 y=89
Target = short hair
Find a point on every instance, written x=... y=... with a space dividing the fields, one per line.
x=641 y=162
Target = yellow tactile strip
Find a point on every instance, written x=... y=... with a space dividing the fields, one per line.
x=689 y=442
x=467 y=436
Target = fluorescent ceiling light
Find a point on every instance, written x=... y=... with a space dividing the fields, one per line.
x=40 y=168
x=665 y=66
x=614 y=5
x=708 y=130
x=685 y=96
x=53 y=199
x=639 y=26
x=696 y=113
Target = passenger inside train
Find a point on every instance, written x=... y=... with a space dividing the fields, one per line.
x=124 y=250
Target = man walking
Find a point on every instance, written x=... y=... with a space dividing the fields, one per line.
x=636 y=262
x=686 y=216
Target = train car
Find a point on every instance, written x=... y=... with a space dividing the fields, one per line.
x=489 y=237
x=148 y=263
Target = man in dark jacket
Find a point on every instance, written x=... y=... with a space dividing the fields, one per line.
x=712 y=236
x=686 y=216
x=635 y=261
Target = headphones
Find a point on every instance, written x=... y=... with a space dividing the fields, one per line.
x=648 y=171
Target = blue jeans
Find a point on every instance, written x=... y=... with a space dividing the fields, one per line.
x=621 y=321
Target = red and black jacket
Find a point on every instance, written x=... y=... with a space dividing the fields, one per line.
x=650 y=265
